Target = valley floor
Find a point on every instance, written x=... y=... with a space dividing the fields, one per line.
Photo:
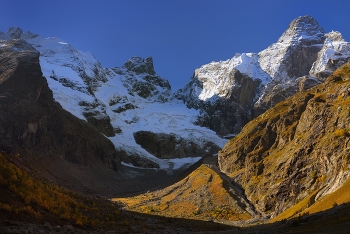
x=102 y=216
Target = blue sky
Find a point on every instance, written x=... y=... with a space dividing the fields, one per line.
x=180 y=35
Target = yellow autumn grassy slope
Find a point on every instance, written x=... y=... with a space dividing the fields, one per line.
x=296 y=209
x=201 y=195
x=308 y=206
x=340 y=196
x=32 y=198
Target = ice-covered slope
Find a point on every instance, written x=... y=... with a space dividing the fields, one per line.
x=119 y=101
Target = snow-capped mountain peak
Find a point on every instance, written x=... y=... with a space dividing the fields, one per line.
x=217 y=77
x=251 y=83
x=295 y=51
x=301 y=29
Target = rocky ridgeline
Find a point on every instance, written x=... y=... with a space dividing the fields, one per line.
x=298 y=148
x=230 y=93
x=56 y=56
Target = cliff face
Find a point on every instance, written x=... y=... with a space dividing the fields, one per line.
x=298 y=148
x=35 y=127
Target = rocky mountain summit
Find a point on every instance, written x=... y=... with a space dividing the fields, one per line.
x=232 y=92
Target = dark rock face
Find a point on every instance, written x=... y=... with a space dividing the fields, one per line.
x=139 y=65
x=33 y=125
x=297 y=148
x=141 y=79
x=167 y=146
x=138 y=161
x=103 y=124
x=281 y=92
x=95 y=114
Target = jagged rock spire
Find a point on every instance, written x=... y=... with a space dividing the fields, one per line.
x=15 y=32
x=140 y=65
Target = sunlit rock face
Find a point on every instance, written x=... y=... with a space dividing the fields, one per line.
x=223 y=95
x=334 y=53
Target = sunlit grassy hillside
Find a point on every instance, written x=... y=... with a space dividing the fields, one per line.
x=203 y=195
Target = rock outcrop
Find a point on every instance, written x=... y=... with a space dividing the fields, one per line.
x=296 y=149
x=167 y=146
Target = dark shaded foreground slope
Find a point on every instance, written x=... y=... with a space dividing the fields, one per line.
x=31 y=204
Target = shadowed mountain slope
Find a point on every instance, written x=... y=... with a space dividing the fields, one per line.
x=36 y=128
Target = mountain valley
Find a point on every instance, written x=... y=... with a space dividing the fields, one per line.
x=257 y=143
